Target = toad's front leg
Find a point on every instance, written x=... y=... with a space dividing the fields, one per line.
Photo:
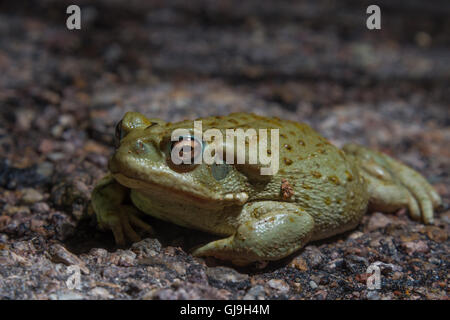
x=273 y=231
x=107 y=200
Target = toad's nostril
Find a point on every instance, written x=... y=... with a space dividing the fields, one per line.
x=140 y=147
x=147 y=150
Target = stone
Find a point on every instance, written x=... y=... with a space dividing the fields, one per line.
x=416 y=246
x=30 y=196
x=224 y=274
x=255 y=293
x=101 y=293
x=59 y=254
x=280 y=285
x=377 y=221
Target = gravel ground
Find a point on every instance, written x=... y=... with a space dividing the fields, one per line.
x=61 y=93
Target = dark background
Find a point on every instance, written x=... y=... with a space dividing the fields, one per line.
x=61 y=93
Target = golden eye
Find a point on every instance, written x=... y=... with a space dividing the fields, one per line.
x=184 y=151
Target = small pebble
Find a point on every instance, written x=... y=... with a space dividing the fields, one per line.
x=373 y=295
x=66 y=295
x=280 y=285
x=31 y=196
x=225 y=274
x=101 y=293
x=377 y=221
x=255 y=293
x=59 y=254
x=416 y=246
x=313 y=285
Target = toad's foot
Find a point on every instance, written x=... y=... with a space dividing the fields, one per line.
x=278 y=230
x=392 y=185
x=107 y=199
x=121 y=221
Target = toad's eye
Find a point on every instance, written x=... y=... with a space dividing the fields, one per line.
x=118 y=133
x=185 y=151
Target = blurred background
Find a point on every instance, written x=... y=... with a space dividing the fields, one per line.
x=62 y=91
x=308 y=60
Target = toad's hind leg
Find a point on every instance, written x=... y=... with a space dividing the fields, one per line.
x=392 y=185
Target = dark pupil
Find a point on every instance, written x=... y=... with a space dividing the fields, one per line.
x=191 y=146
x=181 y=151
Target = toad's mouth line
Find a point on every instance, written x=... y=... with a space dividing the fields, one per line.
x=147 y=187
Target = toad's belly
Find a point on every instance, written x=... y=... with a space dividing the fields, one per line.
x=223 y=221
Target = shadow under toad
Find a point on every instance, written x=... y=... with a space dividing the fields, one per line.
x=87 y=236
